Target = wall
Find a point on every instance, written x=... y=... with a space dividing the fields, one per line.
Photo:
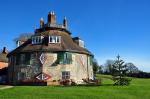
x=50 y=71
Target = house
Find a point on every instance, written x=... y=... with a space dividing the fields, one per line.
x=50 y=57
x=3 y=66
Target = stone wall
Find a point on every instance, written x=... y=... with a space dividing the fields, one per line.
x=43 y=67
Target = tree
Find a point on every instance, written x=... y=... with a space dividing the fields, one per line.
x=132 y=68
x=120 y=72
x=95 y=66
x=23 y=36
x=109 y=66
x=100 y=69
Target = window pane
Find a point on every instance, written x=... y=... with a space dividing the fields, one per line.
x=64 y=58
x=27 y=58
x=54 y=39
x=50 y=39
x=34 y=40
x=57 y=39
x=17 y=59
x=22 y=59
x=60 y=57
x=66 y=75
x=37 y=39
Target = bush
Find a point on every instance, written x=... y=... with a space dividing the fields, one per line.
x=122 y=81
x=66 y=82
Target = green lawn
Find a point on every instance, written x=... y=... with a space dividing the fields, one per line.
x=1 y=86
x=139 y=89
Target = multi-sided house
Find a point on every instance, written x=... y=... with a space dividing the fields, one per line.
x=50 y=56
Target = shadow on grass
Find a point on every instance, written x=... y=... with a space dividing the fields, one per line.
x=86 y=85
x=107 y=85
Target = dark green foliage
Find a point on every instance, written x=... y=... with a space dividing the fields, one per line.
x=132 y=68
x=95 y=66
x=140 y=74
x=122 y=81
x=120 y=73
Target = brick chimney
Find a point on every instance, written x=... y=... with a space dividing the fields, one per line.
x=52 y=18
x=5 y=50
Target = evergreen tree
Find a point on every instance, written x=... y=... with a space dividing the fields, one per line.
x=120 y=73
x=95 y=66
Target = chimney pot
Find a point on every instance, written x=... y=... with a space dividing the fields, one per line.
x=65 y=23
x=41 y=23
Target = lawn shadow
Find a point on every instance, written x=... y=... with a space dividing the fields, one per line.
x=107 y=85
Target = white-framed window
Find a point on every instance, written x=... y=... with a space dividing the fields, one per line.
x=19 y=43
x=66 y=75
x=81 y=43
x=54 y=39
x=37 y=39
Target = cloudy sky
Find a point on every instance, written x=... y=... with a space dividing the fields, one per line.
x=108 y=27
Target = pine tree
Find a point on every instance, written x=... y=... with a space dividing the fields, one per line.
x=120 y=73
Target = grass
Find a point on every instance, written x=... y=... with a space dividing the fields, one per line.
x=1 y=86
x=139 y=89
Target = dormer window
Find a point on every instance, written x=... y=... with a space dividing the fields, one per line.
x=79 y=42
x=19 y=43
x=37 y=39
x=54 y=39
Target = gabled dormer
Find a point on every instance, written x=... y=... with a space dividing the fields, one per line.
x=78 y=41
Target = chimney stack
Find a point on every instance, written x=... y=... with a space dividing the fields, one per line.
x=4 y=50
x=52 y=18
x=65 y=23
x=41 y=23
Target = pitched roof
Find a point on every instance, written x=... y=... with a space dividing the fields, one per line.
x=51 y=28
x=67 y=44
x=3 y=65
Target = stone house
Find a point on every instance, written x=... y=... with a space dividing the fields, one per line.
x=50 y=56
x=3 y=66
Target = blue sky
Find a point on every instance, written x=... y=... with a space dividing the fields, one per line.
x=108 y=27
